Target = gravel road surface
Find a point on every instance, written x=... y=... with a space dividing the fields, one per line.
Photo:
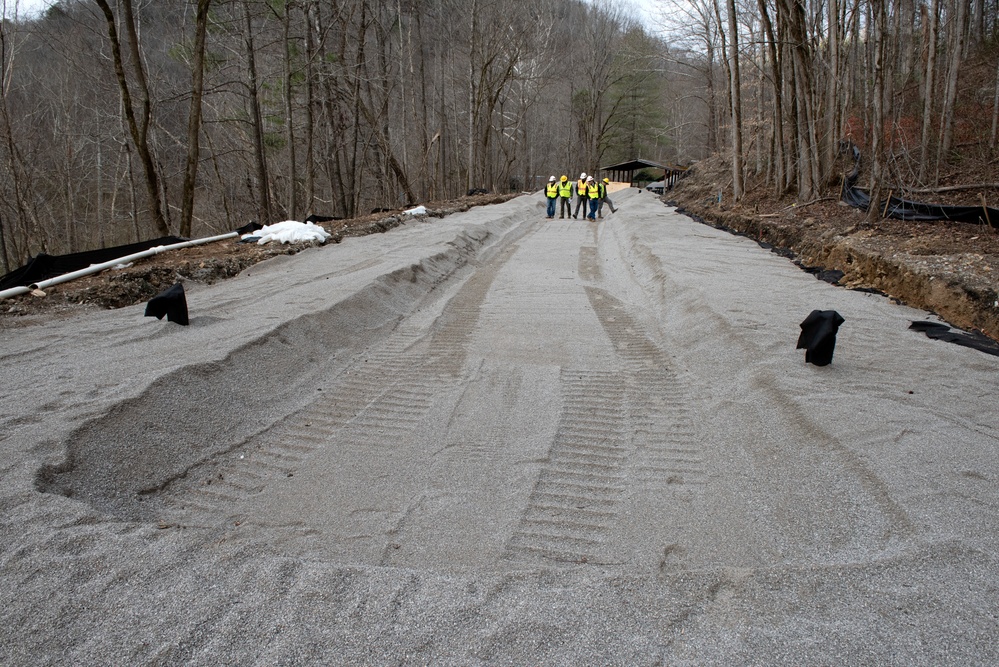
x=500 y=439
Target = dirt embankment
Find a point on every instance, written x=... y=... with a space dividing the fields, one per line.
x=949 y=268
x=205 y=264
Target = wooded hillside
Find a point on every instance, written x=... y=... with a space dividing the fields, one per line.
x=131 y=119
x=123 y=120
x=791 y=83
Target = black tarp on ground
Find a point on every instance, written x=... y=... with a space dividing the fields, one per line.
x=42 y=266
x=904 y=209
x=172 y=303
x=972 y=339
x=818 y=336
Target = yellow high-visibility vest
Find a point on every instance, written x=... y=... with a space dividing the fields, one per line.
x=581 y=188
x=551 y=190
x=565 y=189
x=594 y=191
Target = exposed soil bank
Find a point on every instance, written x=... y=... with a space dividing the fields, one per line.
x=951 y=269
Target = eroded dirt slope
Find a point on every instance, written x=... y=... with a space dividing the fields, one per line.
x=949 y=268
x=205 y=264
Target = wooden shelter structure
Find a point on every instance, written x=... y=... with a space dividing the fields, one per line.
x=625 y=171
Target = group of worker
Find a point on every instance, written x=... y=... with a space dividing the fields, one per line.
x=590 y=194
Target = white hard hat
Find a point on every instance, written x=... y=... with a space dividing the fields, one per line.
x=551 y=180
x=589 y=178
x=583 y=175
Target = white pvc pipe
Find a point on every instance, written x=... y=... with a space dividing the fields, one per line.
x=13 y=291
x=96 y=268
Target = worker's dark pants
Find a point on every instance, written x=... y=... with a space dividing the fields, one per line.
x=565 y=208
x=580 y=203
x=551 y=207
x=594 y=203
x=610 y=204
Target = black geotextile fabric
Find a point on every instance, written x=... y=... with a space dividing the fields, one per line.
x=974 y=340
x=172 y=303
x=818 y=336
x=42 y=266
x=904 y=209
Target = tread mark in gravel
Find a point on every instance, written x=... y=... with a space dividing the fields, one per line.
x=620 y=432
x=376 y=403
x=573 y=505
x=668 y=450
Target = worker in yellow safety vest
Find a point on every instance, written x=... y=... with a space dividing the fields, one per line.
x=604 y=198
x=593 y=192
x=581 y=195
x=551 y=194
x=564 y=197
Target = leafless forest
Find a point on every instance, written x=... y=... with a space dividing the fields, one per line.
x=123 y=120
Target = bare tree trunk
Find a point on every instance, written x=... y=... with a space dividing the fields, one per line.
x=310 y=101
x=950 y=97
x=879 y=36
x=263 y=180
x=778 y=114
x=3 y=249
x=472 y=173
x=138 y=127
x=980 y=32
x=133 y=199
x=359 y=64
x=834 y=30
x=932 y=23
x=15 y=161
x=736 y=97
x=194 y=118
x=404 y=111
x=69 y=237
x=725 y=56
x=710 y=81
x=791 y=15
x=427 y=141
x=995 y=111
x=289 y=114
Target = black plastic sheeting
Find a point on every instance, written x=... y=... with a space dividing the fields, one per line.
x=42 y=267
x=972 y=339
x=818 y=336
x=904 y=209
x=172 y=303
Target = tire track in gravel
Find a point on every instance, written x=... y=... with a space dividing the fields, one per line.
x=622 y=434
x=375 y=404
x=575 y=500
x=379 y=398
x=846 y=506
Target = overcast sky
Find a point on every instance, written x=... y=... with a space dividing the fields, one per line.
x=24 y=7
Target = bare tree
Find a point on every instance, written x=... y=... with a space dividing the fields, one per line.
x=15 y=159
x=995 y=111
x=138 y=123
x=253 y=88
x=957 y=15
x=194 y=122
x=879 y=37
x=735 y=85
x=931 y=21
x=777 y=118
